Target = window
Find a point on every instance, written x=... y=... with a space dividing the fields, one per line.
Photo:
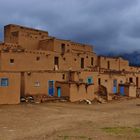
x=99 y=81
x=137 y=81
x=11 y=61
x=63 y=48
x=92 y=61
x=15 y=34
x=37 y=84
x=108 y=64
x=131 y=80
x=82 y=63
x=56 y=61
x=81 y=80
x=4 y=82
x=89 y=80
x=37 y=58
x=63 y=76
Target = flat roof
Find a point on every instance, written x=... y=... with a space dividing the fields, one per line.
x=28 y=28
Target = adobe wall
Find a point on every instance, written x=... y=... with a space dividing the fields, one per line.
x=26 y=61
x=42 y=77
x=117 y=64
x=26 y=37
x=43 y=60
x=124 y=65
x=132 y=91
x=10 y=94
x=73 y=61
x=134 y=69
x=76 y=91
x=56 y=45
x=46 y=45
x=65 y=89
x=137 y=76
x=71 y=50
x=103 y=63
x=81 y=92
x=129 y=90
x=81 y=47
x=37 y=39
x=84 y=75
x=106 y=79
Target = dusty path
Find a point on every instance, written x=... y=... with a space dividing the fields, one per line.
x=66 y=121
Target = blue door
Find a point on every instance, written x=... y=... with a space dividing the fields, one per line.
x=115 y=86
x=122 y=90
x=114 y=90
x=59 y=91
x=51 y=88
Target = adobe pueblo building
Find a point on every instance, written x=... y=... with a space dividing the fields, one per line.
x=32 y=63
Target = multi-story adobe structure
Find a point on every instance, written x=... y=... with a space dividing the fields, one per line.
x=34 y=63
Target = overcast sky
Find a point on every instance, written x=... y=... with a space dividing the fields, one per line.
x=109 y=25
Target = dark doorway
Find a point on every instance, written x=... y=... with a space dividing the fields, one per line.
x=82 y=63
x=108 y=64
x=22 y=85
x=56 y=61
x=92 y=59
x=137 y=81
x=99 y=81
x=131 y=80
x=63 y=48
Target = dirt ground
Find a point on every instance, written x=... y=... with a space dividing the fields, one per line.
x=68 y=121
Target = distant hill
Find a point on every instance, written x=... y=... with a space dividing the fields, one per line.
x=134 y=58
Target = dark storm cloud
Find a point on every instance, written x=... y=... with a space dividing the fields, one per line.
x=110 y=25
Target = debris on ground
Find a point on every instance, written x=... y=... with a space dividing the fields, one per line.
x=100 y=99
x=85 y=101
x=42 y=99
x=88 y=102
x=117 y=96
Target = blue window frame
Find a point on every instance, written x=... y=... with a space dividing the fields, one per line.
x=4 y=82
x=90 y=80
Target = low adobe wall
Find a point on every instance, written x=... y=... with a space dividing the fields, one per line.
x=76 y=91
x=9 y=88
x=80 y=92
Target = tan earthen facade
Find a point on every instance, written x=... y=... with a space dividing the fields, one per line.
x=44 y=65
x=10 y=88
